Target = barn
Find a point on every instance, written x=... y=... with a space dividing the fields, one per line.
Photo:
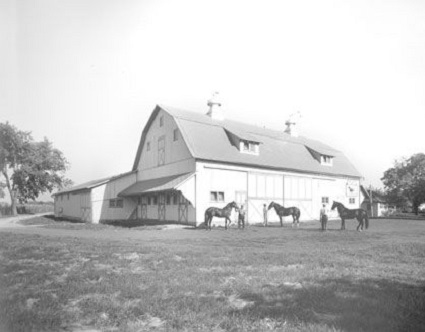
x=188 y=161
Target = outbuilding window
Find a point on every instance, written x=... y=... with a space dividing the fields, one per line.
x=116 y=203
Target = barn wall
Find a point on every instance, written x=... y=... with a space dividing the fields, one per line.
x=102 y=195
x=304 y=191
x=166 y=156
x=75 y=206
x=174 y=206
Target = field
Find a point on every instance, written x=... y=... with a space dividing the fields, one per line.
x=75 y=277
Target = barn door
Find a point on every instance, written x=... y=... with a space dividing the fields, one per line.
x=161 y=207
x=183 y=207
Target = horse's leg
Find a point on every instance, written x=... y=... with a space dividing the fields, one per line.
x=281 y=221
x=342 y=224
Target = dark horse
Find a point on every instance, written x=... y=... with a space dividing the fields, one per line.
x=344 y=213
x=220 y=213
x=283 y=212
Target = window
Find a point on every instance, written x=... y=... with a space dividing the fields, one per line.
x=67 y=196
x=161 y=121
x=61 y=197
x=326 y=160
x=168 y=199
x=149 y=200
x=216 y=196
x=176 y=135
x=154 y=200
x=116 y=203
x=352 y=201
x=148 y=146
x=325 y=200
x=175 y=199
x=248 y=147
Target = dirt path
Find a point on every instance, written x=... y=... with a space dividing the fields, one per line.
x=12 y=222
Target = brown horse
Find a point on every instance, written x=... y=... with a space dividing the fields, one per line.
x=220 y=213
x=283 y=212
x=344 y=213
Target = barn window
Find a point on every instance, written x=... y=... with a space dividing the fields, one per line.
x=249 y=147
x=154 y=200
x=325 y=200
x=352 y=201
x=148 y=146
x=168 y=199
x=176 y=135
x=175 y=199
x=112 y=203
x=216 y=196
x=161 y=121
x=326 y=160
x=149 y=200
x=119 y=203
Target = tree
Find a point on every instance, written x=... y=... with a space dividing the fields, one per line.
x=405 y=182
x=29 y=168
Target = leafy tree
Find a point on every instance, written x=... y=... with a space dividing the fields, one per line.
x=405 y=182
x=29 y=168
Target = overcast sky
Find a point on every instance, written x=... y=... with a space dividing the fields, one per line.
x=87 y=73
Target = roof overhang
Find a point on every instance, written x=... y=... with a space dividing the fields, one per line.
x=168 y=183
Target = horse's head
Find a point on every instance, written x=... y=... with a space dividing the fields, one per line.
x=270 y=205
x=335 y=205
x=234 y=205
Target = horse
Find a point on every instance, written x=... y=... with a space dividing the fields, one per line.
x=344 y=213
x=220 y=213
x=283 y=212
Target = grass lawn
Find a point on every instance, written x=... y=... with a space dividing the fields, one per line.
x=77 y=277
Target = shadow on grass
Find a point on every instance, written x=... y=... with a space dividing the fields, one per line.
x=363 y=305
x=140 y=223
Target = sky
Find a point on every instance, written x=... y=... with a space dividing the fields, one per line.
x=87 y=74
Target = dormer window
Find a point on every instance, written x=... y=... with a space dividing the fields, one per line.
x=326 y=160
x=249 y=147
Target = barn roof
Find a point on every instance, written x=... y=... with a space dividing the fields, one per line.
x=91 y=184
x=207 y=140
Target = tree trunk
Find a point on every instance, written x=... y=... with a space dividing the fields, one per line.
x=11 y=193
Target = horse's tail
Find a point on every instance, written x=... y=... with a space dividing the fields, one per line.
x=366 y=219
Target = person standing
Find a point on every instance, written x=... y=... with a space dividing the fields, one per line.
x=265 y=215
x=241 y=217
x=324 y=217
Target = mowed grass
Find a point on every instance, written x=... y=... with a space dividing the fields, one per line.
x=260 y=279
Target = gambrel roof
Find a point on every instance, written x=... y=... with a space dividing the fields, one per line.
x=207 y=140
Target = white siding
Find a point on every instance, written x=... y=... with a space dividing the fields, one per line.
x=75 y=206
x=163 y=149
x=102 y=194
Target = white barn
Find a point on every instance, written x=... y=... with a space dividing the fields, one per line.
x=187 y=162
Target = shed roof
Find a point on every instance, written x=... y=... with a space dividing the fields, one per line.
x=91 y=184
x=154 y=185
x=207 y=140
